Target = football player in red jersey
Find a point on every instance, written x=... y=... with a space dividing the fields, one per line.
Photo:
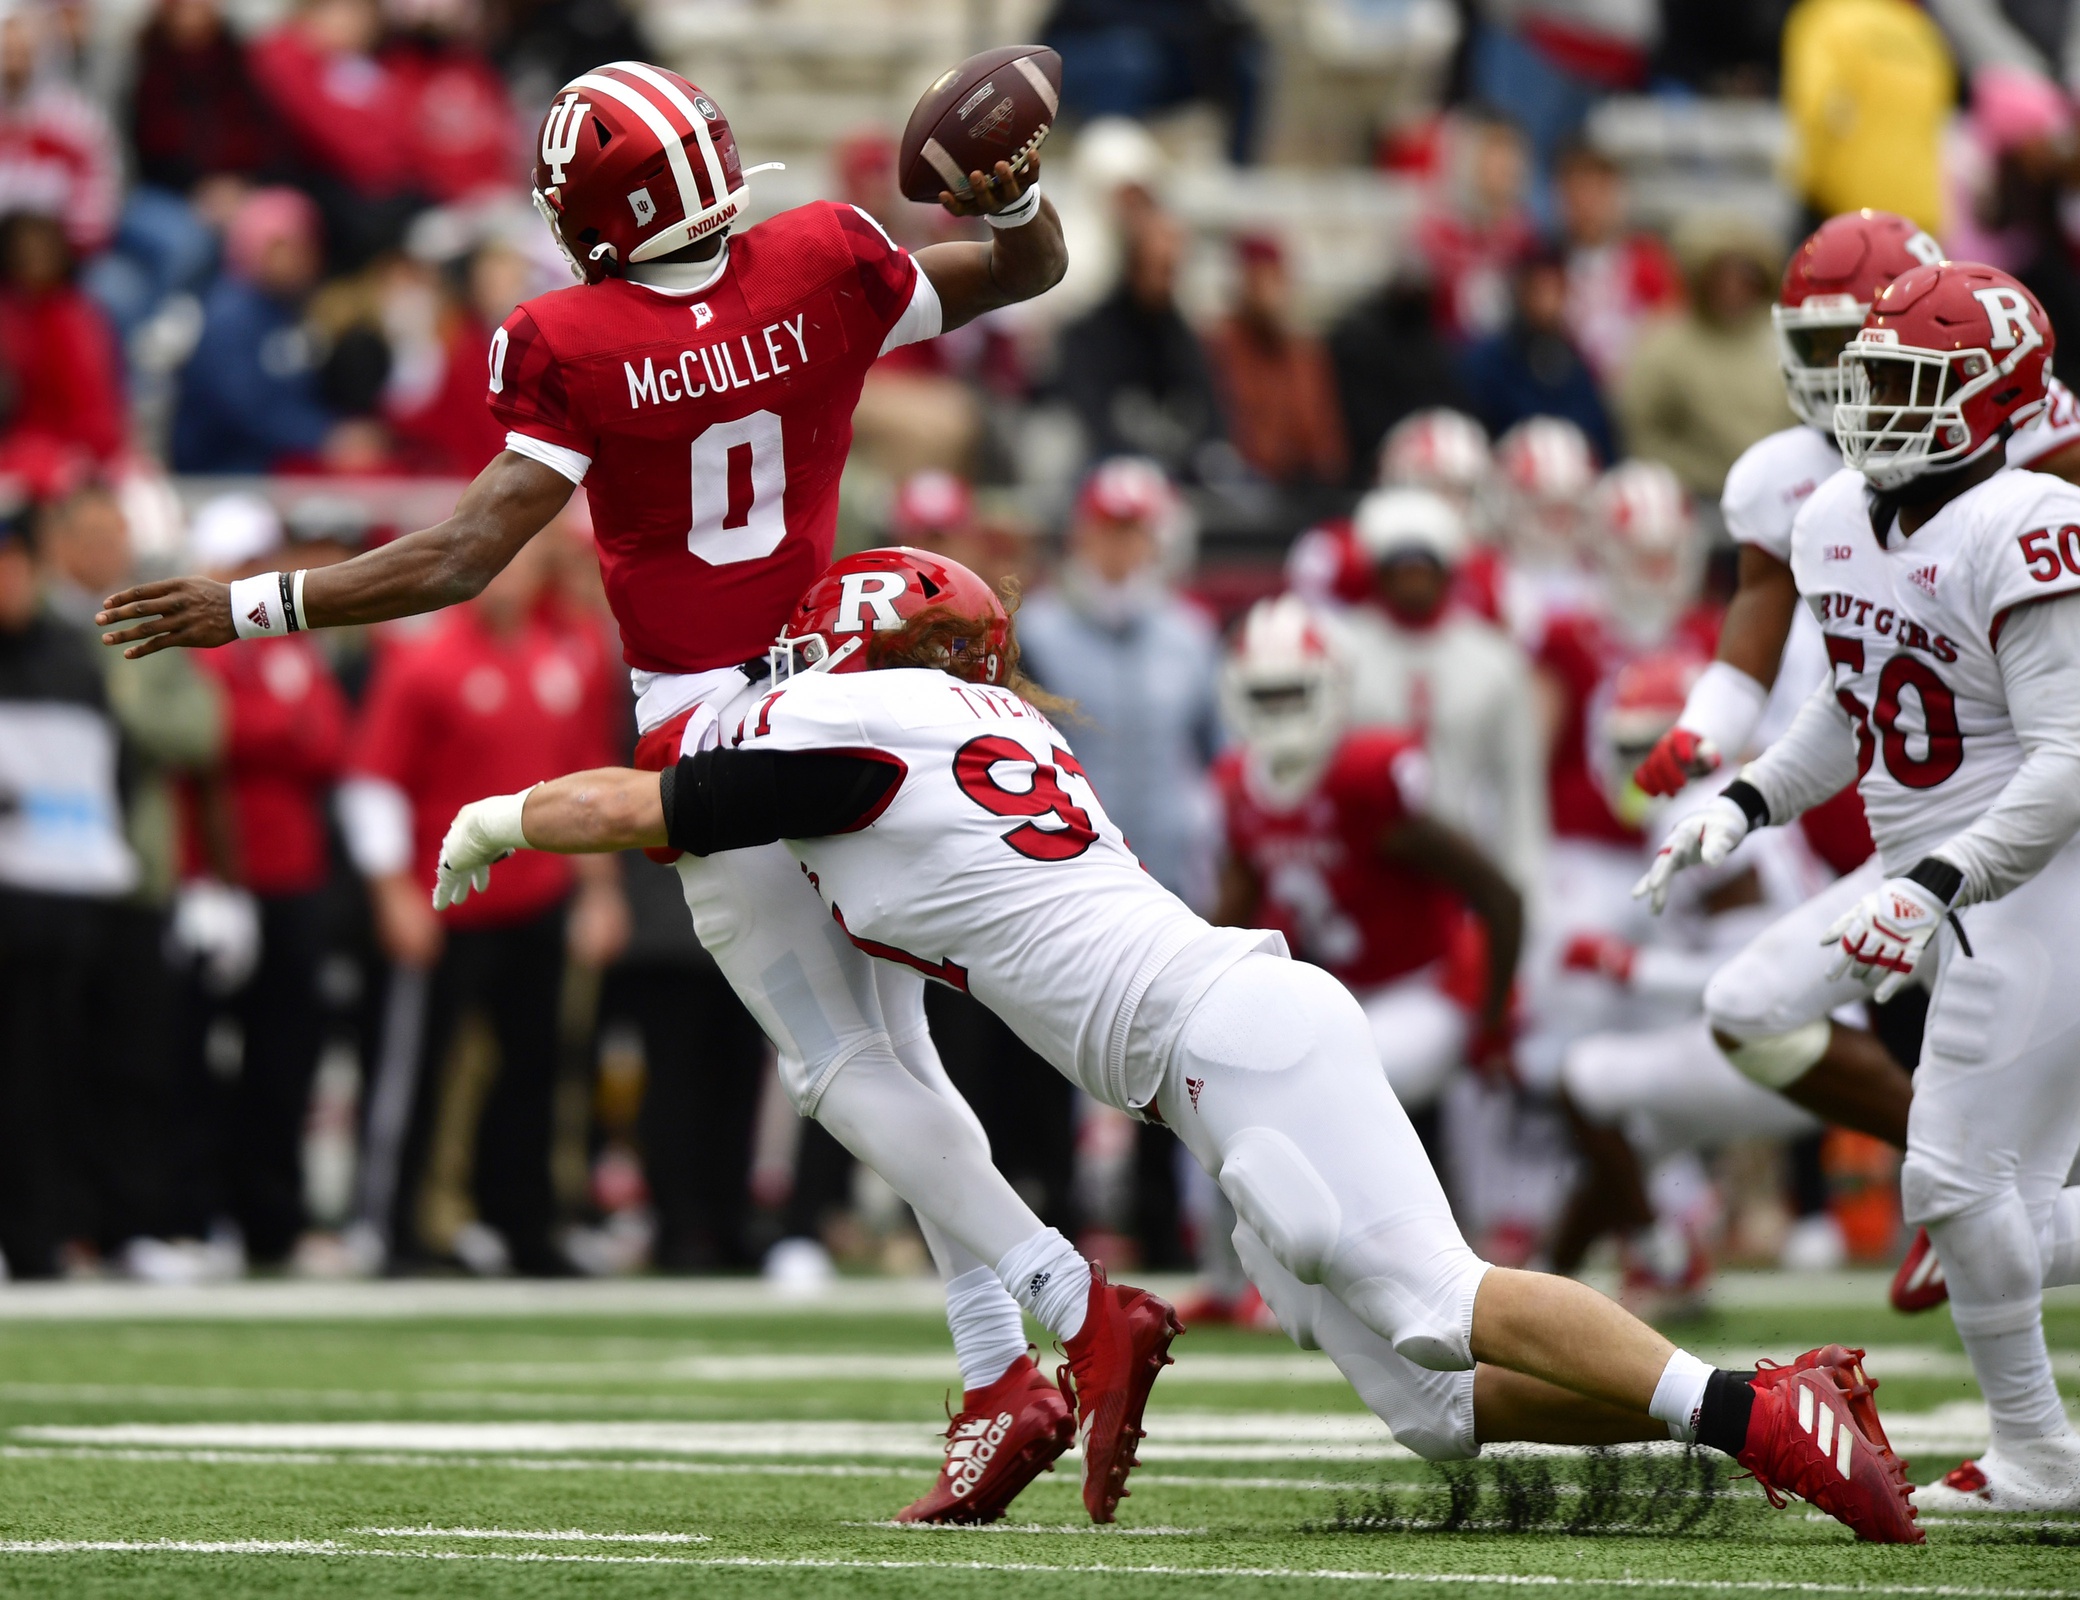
x=1328 y=843
x=700 y=382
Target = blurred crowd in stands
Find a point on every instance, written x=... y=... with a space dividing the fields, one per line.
x=250 y=259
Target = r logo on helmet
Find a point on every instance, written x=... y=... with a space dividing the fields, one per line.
x=2007 y=312
x=861 y=592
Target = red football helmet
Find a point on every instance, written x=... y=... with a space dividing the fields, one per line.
x=1828 y=286
x=634 y=163
x=867 y=610
x=1630 y=713
x=1951 y=360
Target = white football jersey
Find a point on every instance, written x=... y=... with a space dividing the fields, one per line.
x=992 y=867
x=2055 y=427
x=1772 y=479
x=1911 y=628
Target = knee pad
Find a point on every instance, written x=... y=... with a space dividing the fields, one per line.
x=1293 y=1303
x=1780 y=1059
x=1276 y=1190
x=1429 y=1324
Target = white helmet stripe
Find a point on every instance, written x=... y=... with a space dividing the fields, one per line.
x=655 y=120
x=717 y=180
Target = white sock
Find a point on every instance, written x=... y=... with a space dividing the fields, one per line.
x=988 y=1333
x=1048 y=1278
x=2058 y=1241
x=1679 y=1396
x=2014 y=1372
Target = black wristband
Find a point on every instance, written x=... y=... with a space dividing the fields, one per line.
x=289 y=616
x=1749 y=798
x=1937 y=876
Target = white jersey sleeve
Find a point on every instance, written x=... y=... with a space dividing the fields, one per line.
x=2035 y=558
x=2055 y=427
x=1769 y=482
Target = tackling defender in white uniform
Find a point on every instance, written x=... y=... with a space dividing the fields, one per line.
x=948 y=826
x=1946 y=589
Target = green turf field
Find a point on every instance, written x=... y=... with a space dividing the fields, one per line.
x=671 y=1439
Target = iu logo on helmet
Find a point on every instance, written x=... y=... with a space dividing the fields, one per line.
x=643 y=206
x=560 y=134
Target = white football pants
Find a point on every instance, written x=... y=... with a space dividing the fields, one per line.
x=1993 y=1133
x=1275 y=1088
x=1671 y=1089
x=880 y=1090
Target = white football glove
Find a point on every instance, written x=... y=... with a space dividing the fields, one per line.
x=1703 y=838
x=1886 y=932
x=484 y=831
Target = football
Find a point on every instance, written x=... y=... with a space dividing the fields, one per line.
x=997 y=106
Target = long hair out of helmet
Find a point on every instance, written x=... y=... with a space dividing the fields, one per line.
x=901 y=607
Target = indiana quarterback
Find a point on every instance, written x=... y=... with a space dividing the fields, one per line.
x=700 y=383
x=948 y=826
x=1949 y=593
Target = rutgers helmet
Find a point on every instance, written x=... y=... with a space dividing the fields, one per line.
x=1828 y=287
x=1952 y=359
x=874 y=609
x=1285 y=690
x=1547 y=467
x=633 y=162
x=1646 y=543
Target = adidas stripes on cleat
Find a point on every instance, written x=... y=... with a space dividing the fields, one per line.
x=1805 y=1438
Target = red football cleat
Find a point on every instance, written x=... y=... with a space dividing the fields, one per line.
x=1113 y=1362
x=1805 y=1438
x=1004 y=1438
x=1857 y=1386
x=1919 y=1283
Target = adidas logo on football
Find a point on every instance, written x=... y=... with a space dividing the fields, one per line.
x=1924 y=579
x=1192 y=1086
x=1833 y=1442
x=258 y=617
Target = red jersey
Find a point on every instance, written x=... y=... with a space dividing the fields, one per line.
x=710 y=428
x=1327 y=887
x=288 y=739
x=1583 y=655
x=457 y=713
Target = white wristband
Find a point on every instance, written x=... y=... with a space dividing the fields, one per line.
x=298 y=617
x=260 y=608
x=1724 y=706
x=1020 y=212
x=498 y=820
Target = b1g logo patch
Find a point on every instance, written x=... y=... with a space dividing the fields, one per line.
x=705 y=107
x=643 y=206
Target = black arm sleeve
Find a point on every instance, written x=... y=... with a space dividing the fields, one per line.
x=733 y=799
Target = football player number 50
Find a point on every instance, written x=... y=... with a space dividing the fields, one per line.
x=739 y=483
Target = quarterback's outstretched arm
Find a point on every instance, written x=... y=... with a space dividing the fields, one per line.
x=507 y=504
x=1025 y=257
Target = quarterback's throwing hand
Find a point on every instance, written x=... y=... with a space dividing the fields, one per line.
x=1886 y=932
x=483 y=832
x=1704 y=838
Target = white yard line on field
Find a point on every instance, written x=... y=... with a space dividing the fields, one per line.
x=535 y=1535
x=1103 y=1530
x=295 y=1300
x=1512 y=1580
